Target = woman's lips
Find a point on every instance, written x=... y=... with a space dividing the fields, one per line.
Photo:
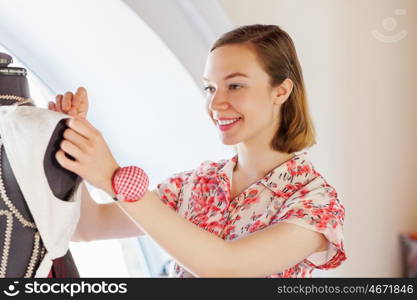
x=228 y=126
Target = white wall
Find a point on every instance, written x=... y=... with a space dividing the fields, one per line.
x=362 y=93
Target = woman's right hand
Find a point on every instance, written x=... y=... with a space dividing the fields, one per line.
x=71 y=104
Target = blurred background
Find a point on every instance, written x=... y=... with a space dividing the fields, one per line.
x=142 y=62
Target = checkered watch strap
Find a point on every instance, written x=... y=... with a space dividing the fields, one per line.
x=129 y=184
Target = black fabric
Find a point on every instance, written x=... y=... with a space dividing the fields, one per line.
x=65 y=267
x=61 y=181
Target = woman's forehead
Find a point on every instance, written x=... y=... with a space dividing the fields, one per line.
x=231 y=54
x=227 y=60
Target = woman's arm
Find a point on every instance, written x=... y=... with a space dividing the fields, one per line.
x=202 y=253
x=102 y=221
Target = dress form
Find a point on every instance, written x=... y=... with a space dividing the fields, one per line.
x=22 y=241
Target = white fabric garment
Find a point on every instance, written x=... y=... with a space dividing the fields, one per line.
x=26 y=132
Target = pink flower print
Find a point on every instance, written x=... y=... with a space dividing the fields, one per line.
x=200 y=204
x=211 y=173
x=213 y=225
x=212 y=180
x=326 y=217
x=253 y=193
x=307 y=203
x=169 y=192
x=300 y=213
x=304 y=192
x=249 y=201
x=228 y=230
x=303 y=170
x=321 y=225
x=317 y=211
x=255 y=216
x=288 y=273
x=323 y=222
x=215 y=208
x=256 y=226
x=221 y=196
x=288 y=214
x=333 y=193
x=281 y=194
x=233 y=236
x=171 y=204
x=291 y=165
x=291 y=187
x=177 y=180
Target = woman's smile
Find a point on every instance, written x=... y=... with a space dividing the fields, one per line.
x=227 y=124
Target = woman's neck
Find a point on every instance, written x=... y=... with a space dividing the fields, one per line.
x=257 y=161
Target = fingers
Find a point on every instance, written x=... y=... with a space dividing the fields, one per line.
x=83 y=127
x=72 y=111
x=66 y=162
x=54 y=106
x=80 y=96
x=59 y=104
x=71 y=104
x=75 y=138
x=51 y=106
x=71 y=149
x=67 y=101
x=80 y=101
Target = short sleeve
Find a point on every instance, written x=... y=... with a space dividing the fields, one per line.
x=170 y=189
x=316 y=207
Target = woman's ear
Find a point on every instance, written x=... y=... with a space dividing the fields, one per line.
x=282 y=91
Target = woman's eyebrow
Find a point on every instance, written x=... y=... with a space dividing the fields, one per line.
x=235 y=74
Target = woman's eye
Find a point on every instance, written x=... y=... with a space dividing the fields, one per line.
x=208 y=89
x=235 y=86
x=211 y=89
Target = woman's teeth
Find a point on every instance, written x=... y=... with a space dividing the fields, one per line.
x=227 y=122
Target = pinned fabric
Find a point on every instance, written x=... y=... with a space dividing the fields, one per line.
x=26 y=132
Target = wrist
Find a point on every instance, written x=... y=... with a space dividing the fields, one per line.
x=108 y=187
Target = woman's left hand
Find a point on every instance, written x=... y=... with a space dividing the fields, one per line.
x=94 y=161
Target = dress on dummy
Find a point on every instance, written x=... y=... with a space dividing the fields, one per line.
x=39 y=200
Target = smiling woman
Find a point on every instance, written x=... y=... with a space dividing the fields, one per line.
x=265 y=212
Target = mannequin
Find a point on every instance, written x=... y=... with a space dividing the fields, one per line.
x=21 y=243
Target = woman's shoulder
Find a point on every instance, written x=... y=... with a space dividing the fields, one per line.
x=300 y=174
x=305 y=182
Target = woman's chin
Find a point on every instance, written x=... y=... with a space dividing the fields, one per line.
x=229 y=141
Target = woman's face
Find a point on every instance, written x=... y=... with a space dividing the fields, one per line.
x=240 y=101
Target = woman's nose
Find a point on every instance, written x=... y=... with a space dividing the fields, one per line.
x=218 y=101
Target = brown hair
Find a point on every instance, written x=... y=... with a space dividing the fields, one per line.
x=277 y=55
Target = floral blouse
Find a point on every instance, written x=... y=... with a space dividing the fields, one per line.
x=293 y=192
